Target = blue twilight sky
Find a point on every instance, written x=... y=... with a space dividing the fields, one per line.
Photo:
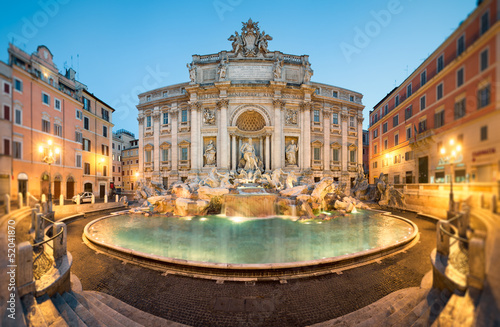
x=121 y=48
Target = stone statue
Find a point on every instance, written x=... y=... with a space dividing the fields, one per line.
x=291 y=151
x=251 y=42
x=278 y=65
x=192 y=72
x=291 y=117
x=249 y=155
x=221 y=70
x=308 y=72
x=262 y=42
x=208 y=116
x=237 y=43
x=291 y=179
x=210 y=152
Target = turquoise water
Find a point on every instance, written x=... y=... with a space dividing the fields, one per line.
x=237 y=240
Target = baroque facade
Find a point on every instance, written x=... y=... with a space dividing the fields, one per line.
x=250 y=107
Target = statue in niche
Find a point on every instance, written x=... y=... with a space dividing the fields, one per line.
x=251 y=161
x=278 y=66
x=192 y=72
x=210 y=153
x=308 y=72
x=291 y=117
x=221 y=70
x=291 y=153
x=209 y=116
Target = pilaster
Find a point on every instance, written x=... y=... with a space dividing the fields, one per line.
x=278 y=156
x=140 y=120
x=344 y=116
x=156 y=144
x=175 y=147
x=326 y=140
x=223 y=150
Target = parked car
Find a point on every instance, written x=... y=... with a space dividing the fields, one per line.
x=84 y=197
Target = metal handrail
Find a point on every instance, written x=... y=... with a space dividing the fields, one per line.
x=461 y=239
x=49 y=239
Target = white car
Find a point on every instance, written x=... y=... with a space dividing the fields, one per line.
x=84 y=197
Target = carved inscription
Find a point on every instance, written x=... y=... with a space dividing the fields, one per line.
x=250 y=72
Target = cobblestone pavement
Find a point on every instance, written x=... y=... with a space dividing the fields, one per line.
x=199 y=302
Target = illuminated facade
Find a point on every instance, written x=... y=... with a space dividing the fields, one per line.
x=50 y=106
x=250 y=95
x=450 y=97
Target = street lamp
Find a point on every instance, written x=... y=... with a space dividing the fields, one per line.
x=49 y=152
x=453 y=150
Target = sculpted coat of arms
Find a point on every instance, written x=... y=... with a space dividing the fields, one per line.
x=251 y=42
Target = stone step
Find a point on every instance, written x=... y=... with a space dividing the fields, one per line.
x=50 y=313
x=32 y=313
x=66 y=312
x=402 y=308
x=388 y=312
x=19 y=321
x=81 y=310
x=104 y=313
x=131 y=312
x=459 y=311
x=417 y=311
x=437 y=301
x=366 y=313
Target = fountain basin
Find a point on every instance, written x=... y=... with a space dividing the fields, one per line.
x=239 y=248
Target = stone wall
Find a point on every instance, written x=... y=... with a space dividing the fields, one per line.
x=433 y=199
x=67 y=210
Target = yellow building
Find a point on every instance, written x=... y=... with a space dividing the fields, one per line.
x=130 y=167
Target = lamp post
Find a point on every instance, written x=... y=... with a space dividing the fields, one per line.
x=453 y=150
x=49 y=152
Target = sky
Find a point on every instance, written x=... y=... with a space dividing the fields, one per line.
x=122 y=48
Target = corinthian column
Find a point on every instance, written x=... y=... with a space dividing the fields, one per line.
x=195 y=131
x=156 y=144
x=345 y=152
x=326 y=140
x=140 y=119
x=306 y=129
x=175 y=149
x=223 y=151
x=360 y=139
x=233 y=152
x=278 y=156
x=267 y=162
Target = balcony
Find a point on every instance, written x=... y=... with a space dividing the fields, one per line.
x=352 y=166
x=184 y=164
x=317 y=165
x=148 y=166
x=165 y=165
x=335 y=166
x=184 y=127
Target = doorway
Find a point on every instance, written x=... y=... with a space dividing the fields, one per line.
x=423 y=169
x=102 y=191
x=70 y=188
x=22 y=184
